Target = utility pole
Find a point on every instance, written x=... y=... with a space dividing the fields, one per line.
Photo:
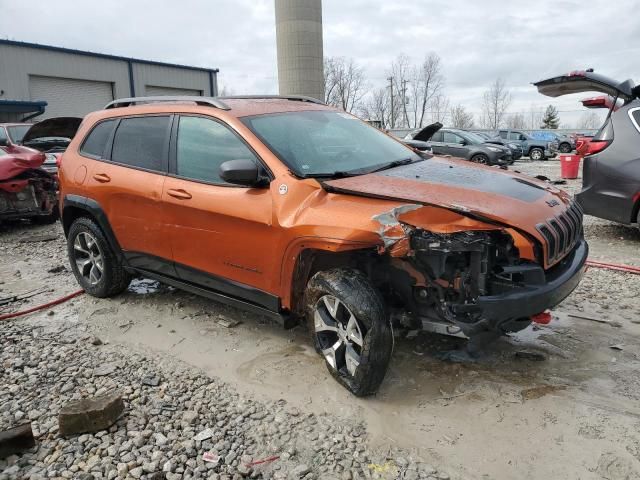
x=404 y=102
x=392 y=112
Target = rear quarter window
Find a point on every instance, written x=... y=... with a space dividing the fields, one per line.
x=142 y=142
x=95 y=144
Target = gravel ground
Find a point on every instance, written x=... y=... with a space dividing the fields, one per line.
x=166 y=429
x=257 y=391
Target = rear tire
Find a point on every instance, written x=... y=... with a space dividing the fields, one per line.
x=536 y=154
x=93 y=262
x=480 y=158
x=349 y=328
x=564 y=148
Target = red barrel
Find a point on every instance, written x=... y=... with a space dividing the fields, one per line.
x=569 y=166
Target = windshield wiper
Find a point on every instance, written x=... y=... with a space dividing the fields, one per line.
x=360 y=171
x=336 y=174
x=394 y=163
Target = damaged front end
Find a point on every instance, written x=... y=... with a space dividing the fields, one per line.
x=468 y=282
x=26 y=190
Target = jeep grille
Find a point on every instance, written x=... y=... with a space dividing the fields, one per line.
x=561 y=233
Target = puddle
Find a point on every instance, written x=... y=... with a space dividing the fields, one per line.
x=143 y=286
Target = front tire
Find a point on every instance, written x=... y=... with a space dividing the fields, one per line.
x=93 y=262
x=480 y=158
x=536 y=154
x=349 y=328
x=564 y=148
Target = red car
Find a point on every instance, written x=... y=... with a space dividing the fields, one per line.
x=26 y=190
x=50 y=136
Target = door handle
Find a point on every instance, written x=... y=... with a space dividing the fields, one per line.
x=102 y=177
x=179 y=193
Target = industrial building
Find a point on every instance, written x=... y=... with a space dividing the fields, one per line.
x=40 y=81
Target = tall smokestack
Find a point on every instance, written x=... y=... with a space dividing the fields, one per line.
x=299 y=41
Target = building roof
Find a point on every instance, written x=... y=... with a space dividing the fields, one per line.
x=103 y=55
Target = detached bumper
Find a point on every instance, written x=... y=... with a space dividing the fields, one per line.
x=511 y=311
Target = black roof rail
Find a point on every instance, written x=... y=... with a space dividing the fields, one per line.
x=298 y=98
x=210 y=101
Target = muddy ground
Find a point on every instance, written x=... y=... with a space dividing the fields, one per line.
x=573 y=415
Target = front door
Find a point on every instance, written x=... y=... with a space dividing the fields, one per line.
x=221 y=235
x=454 y=145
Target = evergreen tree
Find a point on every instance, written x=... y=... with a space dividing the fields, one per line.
x=550 y=119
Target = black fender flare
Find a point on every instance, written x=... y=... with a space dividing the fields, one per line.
x=95 y=210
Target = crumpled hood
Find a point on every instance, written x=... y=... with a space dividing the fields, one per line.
x=15 y=160
x=486 y=193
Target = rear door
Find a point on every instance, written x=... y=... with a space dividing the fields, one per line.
x=221 y=234
x=437 y=144
x=585 y=81
x=127 y=182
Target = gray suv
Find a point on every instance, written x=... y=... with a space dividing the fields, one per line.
x=611 y=169
x=462 y=144
x=532 y=147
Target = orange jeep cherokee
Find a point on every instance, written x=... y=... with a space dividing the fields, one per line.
x=291 y=208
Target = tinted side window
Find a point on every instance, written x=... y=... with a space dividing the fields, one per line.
x=503 y=134
x=451 y=137
x=437 y=137
x=3 y=137
x=203 y=145
x=514 y=136
x=96 y=142
x=141 y=142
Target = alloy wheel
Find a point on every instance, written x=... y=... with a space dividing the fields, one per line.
x=536 y=155
x=88 y=257
x=340 y=335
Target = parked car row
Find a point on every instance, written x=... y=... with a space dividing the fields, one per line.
x=501 y=147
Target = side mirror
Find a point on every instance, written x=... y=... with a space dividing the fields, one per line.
x=241 y=172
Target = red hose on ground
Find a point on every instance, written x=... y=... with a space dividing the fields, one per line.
x=7 y=316
x=614 y=266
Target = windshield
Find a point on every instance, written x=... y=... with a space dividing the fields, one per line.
x=16 y=132
x=319 y=143
x=473 y=138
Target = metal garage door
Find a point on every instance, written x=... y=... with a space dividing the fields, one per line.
x=152 y=91
x=68 y=97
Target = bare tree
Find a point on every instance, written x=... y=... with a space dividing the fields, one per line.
x=344 y=83
x=376 y=106
x=400 y=74
x=439 y=107
x=589 y=120
x=460 y=118
x=535 y=117
x=225 y=91
x=495 y=103
x=426 y=83
x=516 y=121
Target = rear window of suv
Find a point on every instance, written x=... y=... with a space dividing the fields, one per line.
x=142 y=142
x=96 y=142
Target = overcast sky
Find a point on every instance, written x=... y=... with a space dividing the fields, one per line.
x=478 y=41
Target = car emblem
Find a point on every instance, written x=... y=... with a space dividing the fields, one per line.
x=283 y=189
x=552 y=202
